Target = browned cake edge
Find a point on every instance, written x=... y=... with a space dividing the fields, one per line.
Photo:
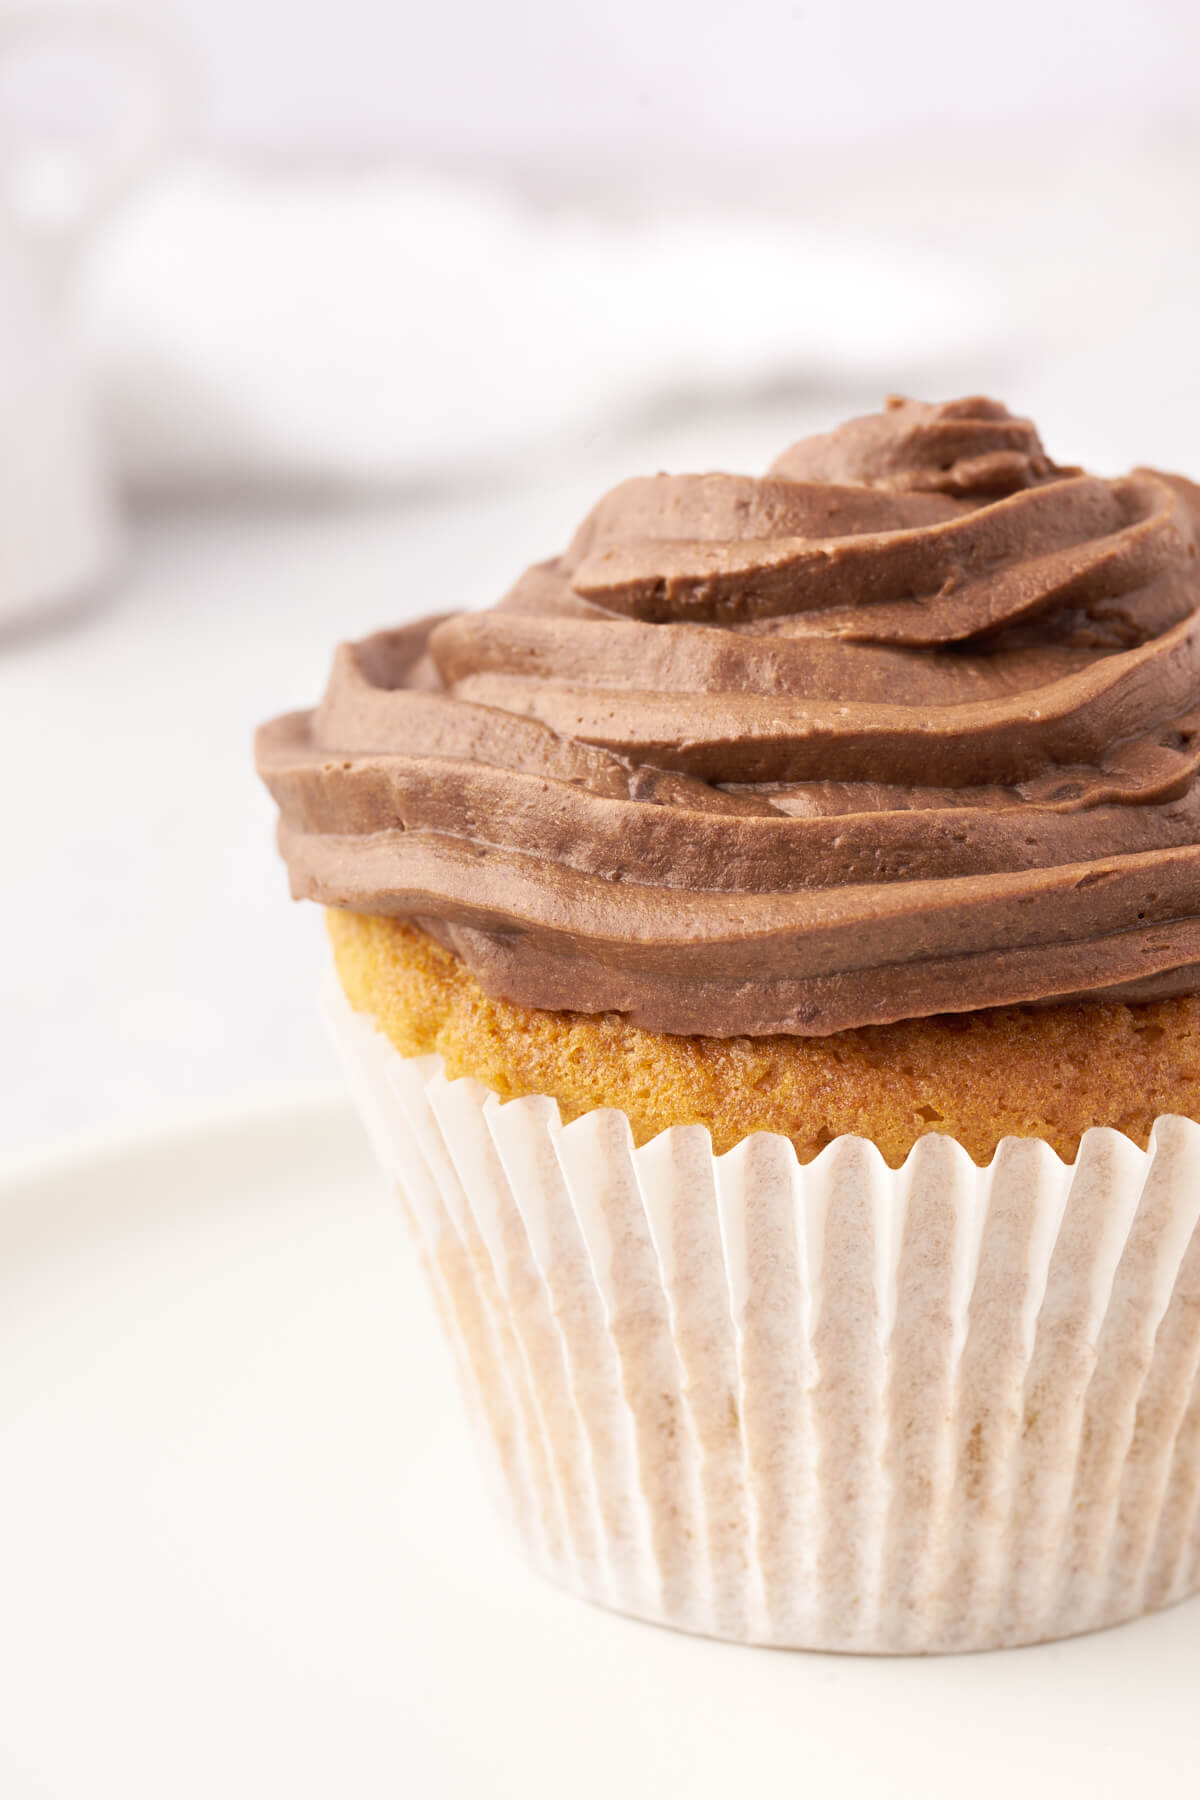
x=1048 y=1072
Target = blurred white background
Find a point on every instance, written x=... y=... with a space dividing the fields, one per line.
x=399 y=289
x=765 y=79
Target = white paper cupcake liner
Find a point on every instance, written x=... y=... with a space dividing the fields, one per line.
x=828 y=1405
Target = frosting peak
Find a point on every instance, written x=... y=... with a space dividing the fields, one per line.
x=974 y=448
x=911 y=724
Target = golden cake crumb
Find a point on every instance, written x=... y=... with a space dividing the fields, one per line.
x=1048 y=1072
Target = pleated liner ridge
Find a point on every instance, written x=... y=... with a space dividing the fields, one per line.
x=831 y=1406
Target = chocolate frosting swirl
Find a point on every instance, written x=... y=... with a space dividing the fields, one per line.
x=909 y=725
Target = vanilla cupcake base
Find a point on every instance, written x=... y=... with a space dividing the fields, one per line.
x=830 y=1405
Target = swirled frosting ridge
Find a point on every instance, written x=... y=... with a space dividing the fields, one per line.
x=910 y=725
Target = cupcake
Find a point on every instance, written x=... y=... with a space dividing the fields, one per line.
x=768 y=956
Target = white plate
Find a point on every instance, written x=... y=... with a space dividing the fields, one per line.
x=243 y=1550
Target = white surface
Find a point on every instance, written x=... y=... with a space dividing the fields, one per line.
x=244 y=1552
